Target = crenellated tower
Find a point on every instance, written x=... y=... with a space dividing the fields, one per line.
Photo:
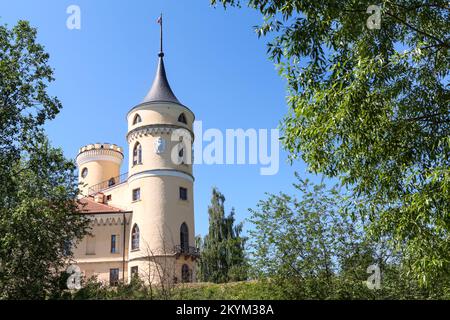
x=98 y=163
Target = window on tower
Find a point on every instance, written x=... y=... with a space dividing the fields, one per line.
x=137 y=119
x=184 y=238
x=137 y=154
x=111 y=182
x=183 y=193
x=84 y=172
x=135 y=238
x=182 y=118
x=185 y=273
x=181 y=155
x=136 y=194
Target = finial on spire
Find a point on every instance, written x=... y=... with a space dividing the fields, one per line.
x=160 y=22
x=160 y=90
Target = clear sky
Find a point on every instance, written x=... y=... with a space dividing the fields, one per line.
x=215 y=63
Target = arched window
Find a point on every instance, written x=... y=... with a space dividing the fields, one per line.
x=111 y=182
x=181 y=151
x=137 y=119
x=182 y=118
x=137 y=154
x=185 y=273
x=135 y=238
x=184 y=237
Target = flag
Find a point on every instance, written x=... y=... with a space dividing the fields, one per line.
x=159 y=20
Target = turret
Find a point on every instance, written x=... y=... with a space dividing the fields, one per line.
x=160 y=180
x=98 y=164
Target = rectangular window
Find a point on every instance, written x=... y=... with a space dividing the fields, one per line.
x=113 y=243
x=134 y=272
x=183 y=193
x=137 y=194
x=90 y=245
x=113 y=277
x=67 y=247
x=108 y=197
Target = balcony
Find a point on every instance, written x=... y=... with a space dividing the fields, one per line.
x=187 y=251
x=107 y=184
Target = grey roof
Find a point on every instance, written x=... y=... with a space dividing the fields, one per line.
x=161 y=91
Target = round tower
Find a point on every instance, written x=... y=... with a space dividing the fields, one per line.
x=98 y=164
x=160 y=182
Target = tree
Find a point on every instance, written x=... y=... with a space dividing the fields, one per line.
x=223 y=248
x=371 y=106
x=314 y=247
x=298 y=244
x=38 y=187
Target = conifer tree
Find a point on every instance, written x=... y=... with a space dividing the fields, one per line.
x=223 y=248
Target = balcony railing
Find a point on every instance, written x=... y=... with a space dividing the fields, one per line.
x=188 y=251
x=107 y=184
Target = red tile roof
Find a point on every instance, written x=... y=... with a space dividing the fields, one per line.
x=88 y=205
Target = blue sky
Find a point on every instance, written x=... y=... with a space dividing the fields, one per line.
x=215 y=63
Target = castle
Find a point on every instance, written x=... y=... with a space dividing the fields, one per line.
x=143 y=221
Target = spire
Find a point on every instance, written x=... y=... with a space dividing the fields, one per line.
x=160 y=90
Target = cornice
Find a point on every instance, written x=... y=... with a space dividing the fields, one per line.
x=161 y=173
x=99 y=155
x=154 y=129
x=108 y=219
x=160 y=104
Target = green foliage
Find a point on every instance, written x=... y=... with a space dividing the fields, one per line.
x=313 y=247
x=222 y=250
x=38 y=187
x=372 y=108
x=244 y=290
x=301 y=244
x=92 y=289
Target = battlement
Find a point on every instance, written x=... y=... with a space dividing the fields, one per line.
x=100 y=152
x=101 y=146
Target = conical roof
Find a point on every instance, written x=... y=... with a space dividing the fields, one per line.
x=160 y=90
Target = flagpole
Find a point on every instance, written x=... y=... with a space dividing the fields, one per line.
x=161 y=53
